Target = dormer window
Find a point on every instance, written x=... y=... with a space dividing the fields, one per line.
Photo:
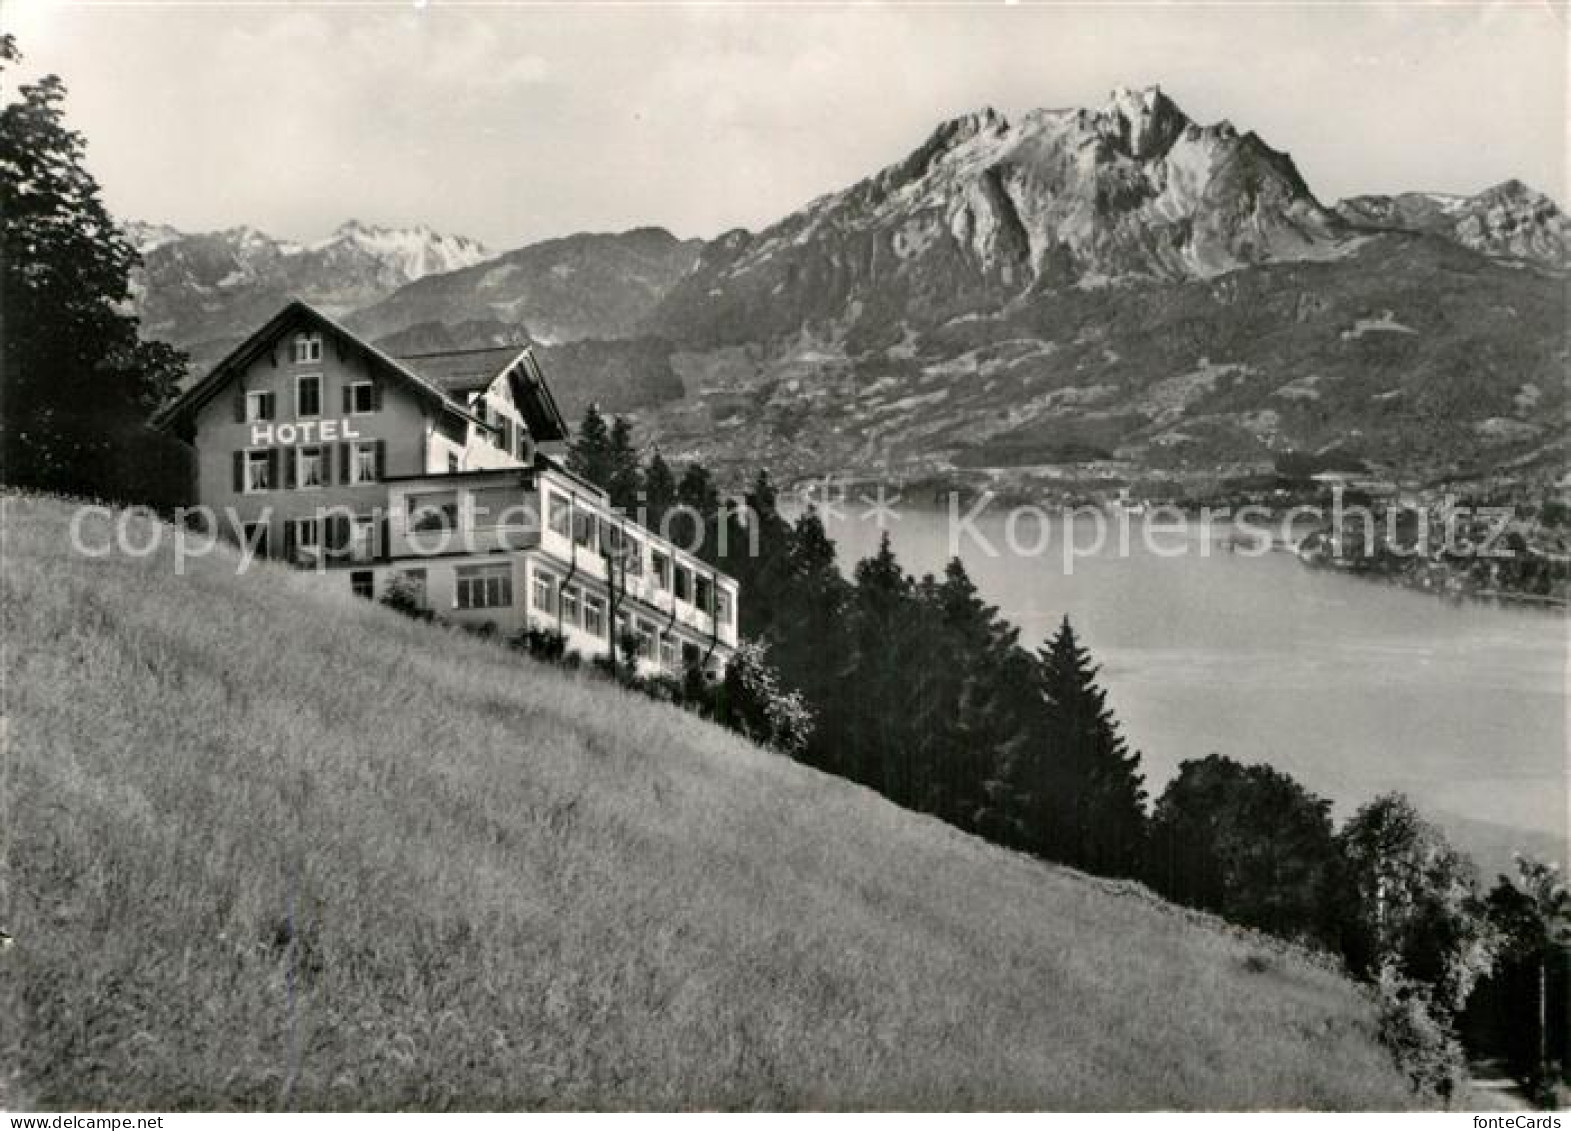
x=308 y=348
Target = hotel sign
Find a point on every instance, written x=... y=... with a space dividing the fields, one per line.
x=266 y=433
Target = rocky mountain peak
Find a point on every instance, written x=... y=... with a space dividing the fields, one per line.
x=1143 y=123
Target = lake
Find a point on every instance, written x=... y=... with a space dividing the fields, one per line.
x=1354 y=687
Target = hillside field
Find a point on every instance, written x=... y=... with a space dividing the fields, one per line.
x=266 y=848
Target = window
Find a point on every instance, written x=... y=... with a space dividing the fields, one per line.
x=308 y=348
x=308 y=539
x=668 y=653
x=634 y=557
x=543 y=595
x=308 y=467
x=662 y=564
x=584 y=529
x=363 y=583
x=723 y=606
x=362 y=538
x=646 y=638
x=258 y=406
x=433 y=512
x=703 y=593
x=484 y=587
x=361 y=398
x=594 y=615
x=308 y=395
x=561 y=514
x=362 y=466
x=571 y=599
x=258 y=471
x=452 y=463
x=684 y=583
x=691 y=655
x=255 y=535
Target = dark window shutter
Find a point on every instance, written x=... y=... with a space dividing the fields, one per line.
x=270 y=406
x=239 y=403
x=381 y=460
x=344 y=458
x=287 y=455
x=376 y=395
x=239 y=472
x=273 y=469
x=327 y=464
x=380 y=550
x=340 y=535
x=349 y=399
x=289 y=539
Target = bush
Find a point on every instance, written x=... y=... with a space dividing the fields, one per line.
x=752 y=702
x=542 y=643
x=403 y=595
x=1416 y=1031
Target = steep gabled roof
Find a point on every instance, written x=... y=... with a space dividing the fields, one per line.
x=458 y=372
x=535 y=403
x=293 y=316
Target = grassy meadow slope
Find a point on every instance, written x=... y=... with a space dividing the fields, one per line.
x=513 y=886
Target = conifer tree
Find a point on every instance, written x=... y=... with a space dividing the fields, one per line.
x=659 y=490
x=1092 y=793
x=624 y=478
x=590 y=453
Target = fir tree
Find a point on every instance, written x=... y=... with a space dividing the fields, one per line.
x=1092 y=795
x=623 y=475
x=590 y=453
x=659 y=491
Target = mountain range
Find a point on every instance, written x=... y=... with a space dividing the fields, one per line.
x=1080 y=295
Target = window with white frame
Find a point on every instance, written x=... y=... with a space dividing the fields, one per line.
x=594 y=615
x=484 y=587
x=308 y=395
x=723 y=606
x=362 y=538
x=560 y=514
x=362 y=398
x=684 y=583
x=433 y=512
x=543 y=594
x=308 y=539
x=668 y=659
x=258 y=471
x=633 y=557
x=308 y=348
x=258 y=406
x=571 y=601
x=308 y=466
x=662 y=569
x=362 y=464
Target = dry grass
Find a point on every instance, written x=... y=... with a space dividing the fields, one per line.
x=514 y=887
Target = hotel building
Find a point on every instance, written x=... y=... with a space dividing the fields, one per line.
x=442 y=474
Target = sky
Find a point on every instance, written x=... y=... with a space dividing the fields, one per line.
x=513 y=123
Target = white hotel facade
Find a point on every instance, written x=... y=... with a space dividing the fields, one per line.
x=443 y=474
